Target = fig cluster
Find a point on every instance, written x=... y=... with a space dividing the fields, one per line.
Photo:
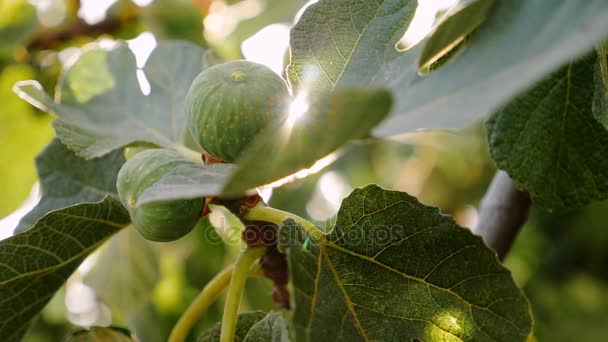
x=227 y=105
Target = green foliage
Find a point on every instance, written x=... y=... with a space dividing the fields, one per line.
x=17 y=22
x=559 y=262
x=230 y=103
x=23 y=133
x=174 y=19
x=392 y=269
x=159 y=221
x=549 y=142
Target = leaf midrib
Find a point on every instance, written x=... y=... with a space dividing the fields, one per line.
x=564 y=117
x=347 y=60
x=356 y=44
x=348 y=302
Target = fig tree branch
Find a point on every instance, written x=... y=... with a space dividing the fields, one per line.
x=54 y=37
x=502 y=213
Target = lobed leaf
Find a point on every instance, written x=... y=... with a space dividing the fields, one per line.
x=549 y=142
x=395 y=269
x=35 y=264
x=103 y=106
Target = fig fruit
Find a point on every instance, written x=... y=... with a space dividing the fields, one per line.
x=163 y=220
x=228 y=104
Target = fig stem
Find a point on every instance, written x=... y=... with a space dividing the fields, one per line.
x=235 y=290
x=204 y=299
x=209 y=293
x=261 y=212
x=191 y=155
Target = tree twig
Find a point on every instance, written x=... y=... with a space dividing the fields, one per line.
x=53 y=37
x=502 y=213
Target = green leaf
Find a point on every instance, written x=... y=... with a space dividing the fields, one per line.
x=125 y=273
x=189 y=181
x=519 y=43
x=344 y=43
x=66 y=180
x=329 y=123
x=100 y=334
x=35 y=264
x=104 y=108
x=272 y=328
x=244 y=323
x=461 y=22
x=549 y=142
x=395 y=269
x=600 y=100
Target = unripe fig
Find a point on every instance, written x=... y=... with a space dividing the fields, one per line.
x=156 y=221
x=228 y=104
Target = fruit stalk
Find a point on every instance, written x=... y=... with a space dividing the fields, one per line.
x=268 y=214
x=235 y=290
x=209 y=293
x=189 y=154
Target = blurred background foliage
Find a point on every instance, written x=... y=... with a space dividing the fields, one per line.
x=559 y=259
